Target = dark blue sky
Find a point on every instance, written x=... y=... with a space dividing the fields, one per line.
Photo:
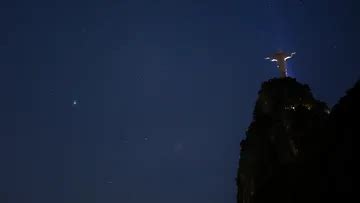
x=164 y=89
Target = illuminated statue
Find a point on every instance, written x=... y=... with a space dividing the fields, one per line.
x=280 y=57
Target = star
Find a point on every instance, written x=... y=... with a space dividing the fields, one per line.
x=178 y=147
x=75 y=102
x=125 y=141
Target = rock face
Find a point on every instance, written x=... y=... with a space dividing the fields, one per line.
x=281 y=158
x=344 y=124
x=295 y=149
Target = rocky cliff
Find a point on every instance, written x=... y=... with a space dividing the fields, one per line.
x=282 y=156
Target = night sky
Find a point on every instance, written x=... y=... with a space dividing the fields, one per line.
x=147 y=101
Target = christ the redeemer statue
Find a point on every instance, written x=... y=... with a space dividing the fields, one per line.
x=280 y=58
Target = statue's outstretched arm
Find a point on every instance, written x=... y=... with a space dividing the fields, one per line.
x=271 y=59
x=291 y=55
